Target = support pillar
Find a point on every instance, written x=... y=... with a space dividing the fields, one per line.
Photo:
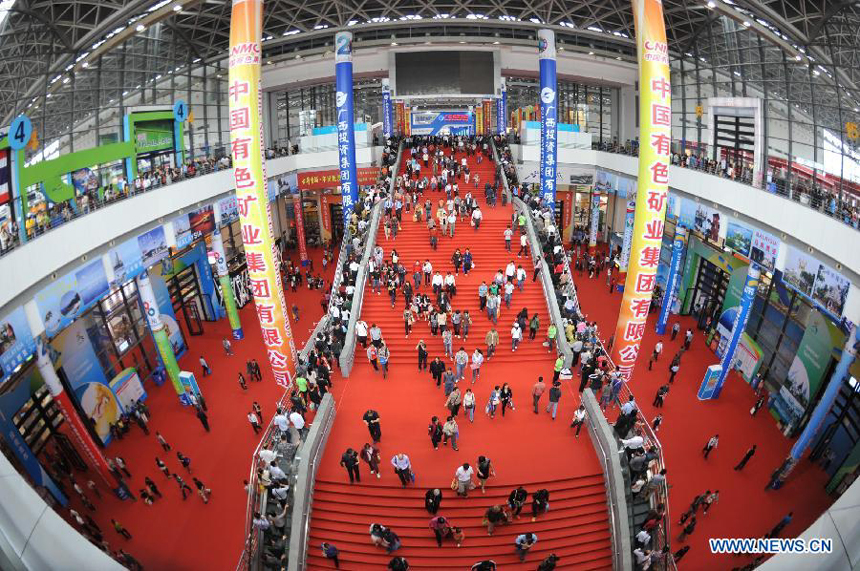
x=712 y=386
x=217 y=246
x=255 y=217
x=548 y=116
x=673 y=280
x=159 y=331
x=822 y=409
x=655 y=112
x=345 y=121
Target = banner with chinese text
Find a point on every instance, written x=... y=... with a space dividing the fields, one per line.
x=548 y=115
x=655 y=112
x=319 y=180
x=246 y=136
x=345 y=119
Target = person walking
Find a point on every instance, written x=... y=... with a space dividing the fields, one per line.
x=712 y=443
x=556 y=370
x=422 y=355
x=370 y=454
x=516 y=500
x=477 y=361
x=372 y=354
x=164 y=445
x=688 y=339
x=461 y=359
x=469 y=404
x=506 y=395
x=483 y=470
x=255 y=422
x=661 y=394
x=203 y=418
x=206 y=370
x=554 y=397
x=673 y=370
x=371 y=420
x=537 y=392
x=202 y=490
x=451 y=431
x=384 y=354
x=777 y=529
x=349 y=460
x=437 y=369
x=453 y=401
x=463 y=479
x=120 y=529
x=228 y=349
x=329 y=551
x=153 y=489
x=578 y=419
x=184 y=460
x=746 y=458
x=403 y=468
x=491 y=339
x=523 y=543
x=432 y=500
x=676 y=328
x=688 y=530
x=120 y=463
x=710 y=500
x=435 y=432
x=516 y=336
x=162 y=466
x=440 y=528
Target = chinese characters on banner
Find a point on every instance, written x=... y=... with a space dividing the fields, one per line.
x=407 y=120
x=300 y=227
x=502 y=109
x=595 y=221
x=479 y=120
x=655 y=112
x=325 y=213
x=319 y=180
x=548 y=115
x=386 y=109
x=488 y=116
x=628 y=232
x=246 y=147
x=345 y=120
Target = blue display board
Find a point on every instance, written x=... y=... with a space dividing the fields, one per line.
x=69 y=296
x=434 y=123
x=16 y=342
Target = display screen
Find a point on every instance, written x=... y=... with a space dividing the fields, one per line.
x=444 y=72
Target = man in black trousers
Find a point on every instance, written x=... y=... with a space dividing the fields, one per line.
x=746 y=458
x=349 y=460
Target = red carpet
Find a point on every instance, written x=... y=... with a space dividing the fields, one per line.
x=175 y=534
x=744 y=508
x=525 y=448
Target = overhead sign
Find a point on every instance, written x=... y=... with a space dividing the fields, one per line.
x=435 y=123
x=318 y=180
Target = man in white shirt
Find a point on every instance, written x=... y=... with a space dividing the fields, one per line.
x=516 y=336
x=509 y=293
x=452 y=222
x=276 y=473
x=428 y=272
x=629 y=406
x=402 y=467
x=524 y=242
x=361 y=332
x=476 y=218
x=464 y=479
x=281 y=421
x=297 y=424
x=508 y=235
x=510 y=271
x=438 y=282
x=578 y=419
x=267 y=455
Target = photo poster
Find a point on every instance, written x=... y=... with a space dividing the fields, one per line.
x=11 y=402
x=127 y=388
x=16 y=342
x=153 y=246
x=70 y=295
x=229 y=210
x=737 y=271
x=605 y=182
x=126 y=261
x=757 y=245
x=165 y=308
x=826 y=287
x=86 y=378
x=673 y=207
x=748 y=357
x=708 y=222
x=202 y=222
x=182 y=231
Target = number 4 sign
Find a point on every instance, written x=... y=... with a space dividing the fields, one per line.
x=20 y=132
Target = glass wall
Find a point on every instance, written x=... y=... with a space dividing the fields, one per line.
x=291 y=103
x=810 y=106
x=588 y=106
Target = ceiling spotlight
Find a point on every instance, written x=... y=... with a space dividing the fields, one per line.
x=140 y=27
x=496 y=43
x=393 y=43
x=85 y=64
x=747 y=24
x=712 y=4
x=591 y=53
x=618 y=58
x=177 y=8
x=798 y=57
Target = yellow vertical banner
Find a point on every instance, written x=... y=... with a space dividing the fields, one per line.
x=407 y=120
x=249 y=171
x=479 y=120
x=655 y=135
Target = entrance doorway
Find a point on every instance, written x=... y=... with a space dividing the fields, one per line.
x=335 y=210
x=188 y=300
x=709 y=291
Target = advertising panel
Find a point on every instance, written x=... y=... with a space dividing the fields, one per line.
x=246 y=137
x=702 y=219
x=329 y=179
x=127 y=262
x=826 y=287
x=655 y=112
x=70 y=295
x=127 y=388
x=16 y=342
x=548 y=115
x=153 y=246
x=151 y=136
x=440 y=123
x=759 y=246
x=345 y=119
x=5 y=177
x=228 y=209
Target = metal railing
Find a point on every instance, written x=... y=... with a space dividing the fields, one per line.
x=347 y=356
x=96 y=199
x=256 y=502
x=303 y=487
x=799 y=191
x=606 y=448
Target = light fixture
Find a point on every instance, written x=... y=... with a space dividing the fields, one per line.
x=712 y=4
x=591 y=53
x=85 y=65
x=496 y=43
x=798 y=57
x=270 y=62
x=393 y=43
x=177 y=8
x=618 y=58
x=140 y=27
x=747 y=24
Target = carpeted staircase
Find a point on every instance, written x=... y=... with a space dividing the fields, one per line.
x=526 y=449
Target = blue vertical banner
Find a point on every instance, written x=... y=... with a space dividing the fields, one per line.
x=742 y=315
x=386 y=109
x=502 y=109
x=673 y=279
x=345 y=120
x=548 y=115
